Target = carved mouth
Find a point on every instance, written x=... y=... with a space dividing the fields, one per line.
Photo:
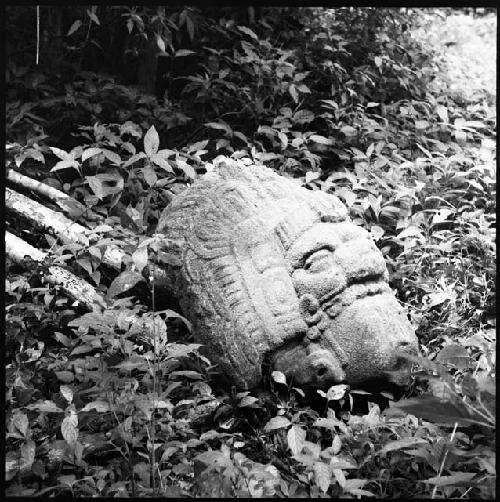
x=334 y=305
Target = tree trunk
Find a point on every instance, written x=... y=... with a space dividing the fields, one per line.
x=77 y=289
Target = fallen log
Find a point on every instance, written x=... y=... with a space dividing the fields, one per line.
x=58 y=224
x=77 y=289
x=68 y=204
x=36 y=186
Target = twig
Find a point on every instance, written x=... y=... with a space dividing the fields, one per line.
x=37 y=33
x=441 y=467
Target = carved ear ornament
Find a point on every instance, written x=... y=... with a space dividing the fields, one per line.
x=309 y=308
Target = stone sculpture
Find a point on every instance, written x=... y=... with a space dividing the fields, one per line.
x=273 y=273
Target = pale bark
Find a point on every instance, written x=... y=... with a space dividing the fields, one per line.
x=74 y=287
x=53 y=194
x=46 y=218
x=54 y=222
x=36 y=186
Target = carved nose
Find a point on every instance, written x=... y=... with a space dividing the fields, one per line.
x=327 y=371
x=407 y=347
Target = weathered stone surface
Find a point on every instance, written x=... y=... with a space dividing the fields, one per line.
x=271 y=271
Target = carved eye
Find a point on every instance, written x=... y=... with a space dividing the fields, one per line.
x=318 y=260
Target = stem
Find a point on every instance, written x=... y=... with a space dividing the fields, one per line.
x=441 y=467
x=37 y=33
x=155 y=384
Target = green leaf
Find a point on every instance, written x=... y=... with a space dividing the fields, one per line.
x=214 y=458
x=132 y=364
x=112 y=156
x=220 y=125
x=328 y=423
x=92 y=15
x=311 y=175
x=411 y=231
x=433 y=409
x=293 y=92
x=45 y=406
x=458 y=479
x=336 y=444
x=27 y=454
x=336 y=392
x=99 y=406
x=441 y=215
x=442 y=112
x=188 y=170
x=135 y=158
x=74 y=27
x=104 y=322
x=65 y=376
x=183 y=52
x=90 y=152
x=66 y=164
x=303 y=116
x=140 y=258
x=421 y=124
x=151 y=141
x=160 y=161
x=296 y=436
x=149 y=175
x=21 y=423
x=355 y=484
x=248 y=401
x=461 y=137
x=124 y=282
x=69 y=431
x=190 y=27
x=321 y=139
x=279 y=377
x=192 y=375
x=402 y=443
x=454 y=354
x=284 y=139
x=248 y=32
x=66 y=392
x=277 y=423
x=63 y=155
x=376 y=232
x=349 y=130
x=105 y=184
x=160 y=43
x=322 y=475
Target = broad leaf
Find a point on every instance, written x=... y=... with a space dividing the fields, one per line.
x=458 y=479
x=433 y=409
x=321 y=139
x=248 y=32
x=279 y=377
x=402 y=443
x=69 y=431
x=296 y=437
x=151 y=141
x=183 y=52
x=99 y=406
x=277 y=423
x=322 y=475
x=125 y=281
x=105 y=184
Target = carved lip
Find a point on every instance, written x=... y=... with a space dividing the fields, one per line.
x=333 y=306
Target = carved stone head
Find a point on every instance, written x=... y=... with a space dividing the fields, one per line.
x=273 y=271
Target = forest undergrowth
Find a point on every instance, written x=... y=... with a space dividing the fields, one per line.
x=392 y=110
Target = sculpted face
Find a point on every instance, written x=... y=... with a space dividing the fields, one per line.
x=270 y=272
x=340 y=278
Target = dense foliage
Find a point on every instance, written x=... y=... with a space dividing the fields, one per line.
x=347 y=100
